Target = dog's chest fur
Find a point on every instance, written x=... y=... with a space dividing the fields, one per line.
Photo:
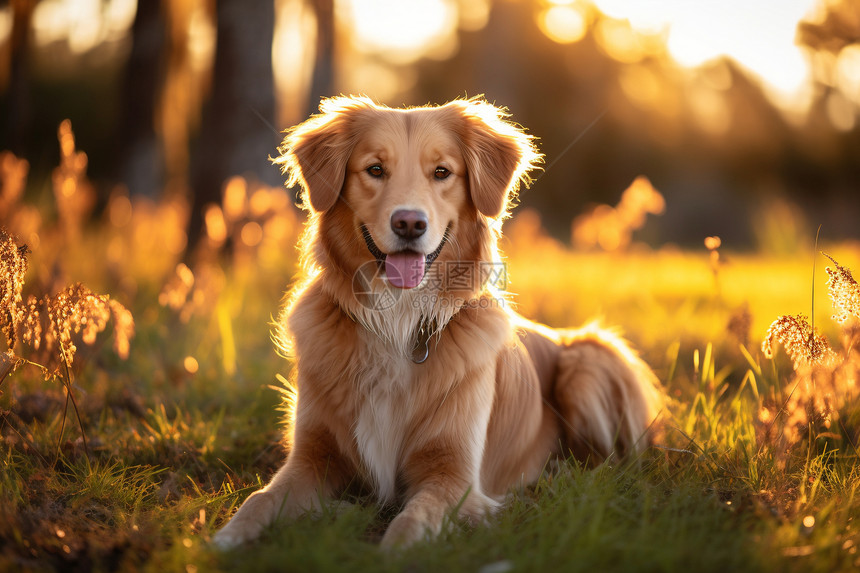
x=387 y=396
x=385 y=413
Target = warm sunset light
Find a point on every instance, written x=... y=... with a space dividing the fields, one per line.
x=563 y=23
x=84 y=23
x=260 y=259
x=758 y=35
x=191 y=365
x=403 y=29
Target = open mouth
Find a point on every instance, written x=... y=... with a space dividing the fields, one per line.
x=406 y=268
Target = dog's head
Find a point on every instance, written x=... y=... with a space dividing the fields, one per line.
x=406 y=186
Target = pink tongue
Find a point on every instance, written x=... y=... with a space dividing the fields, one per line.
x=404 y=269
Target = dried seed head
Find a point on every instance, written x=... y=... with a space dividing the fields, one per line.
x=844 y=292
x=78 y=310
x=13 y=267
x=804 y=344
x=31 y=328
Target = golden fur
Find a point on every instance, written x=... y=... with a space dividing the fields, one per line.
x=496 y=397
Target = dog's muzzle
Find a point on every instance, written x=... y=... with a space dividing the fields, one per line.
x=406 y=268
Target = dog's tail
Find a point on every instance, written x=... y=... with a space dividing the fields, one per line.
x=609 y=398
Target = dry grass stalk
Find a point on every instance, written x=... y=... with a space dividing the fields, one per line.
x=824 y=381
x=13 y=267
x=844 y=292
x=51 y=324
x=72 y=191
x=803 y=343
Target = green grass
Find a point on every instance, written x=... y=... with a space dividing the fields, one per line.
x=173 y=452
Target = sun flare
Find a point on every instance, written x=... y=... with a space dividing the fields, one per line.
x=760 y=36
x=403 y=29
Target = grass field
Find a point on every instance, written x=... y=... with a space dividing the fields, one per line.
x=757 y=468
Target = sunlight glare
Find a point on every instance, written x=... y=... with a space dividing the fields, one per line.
x=119 y=17
x=82 y=23
x=564 y=24
x=235 y=198
x=5 y=23
x=191 y=365
x=252 y=233
x=201 y=39
x=293 y=53
x=760 y=36
x=404 y=30
x=623 y=43
x=473 y=14
x=848 y=72
x=216 y=225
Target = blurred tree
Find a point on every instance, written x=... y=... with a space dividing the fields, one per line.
x=186 y=82
x=140 y=156
x=16 y=101
x=237 y=134
x=832 y=38
x=322 y=79
x=827 y=165
x=838 y=27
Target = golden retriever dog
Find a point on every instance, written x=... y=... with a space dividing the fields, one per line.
x=413 y=374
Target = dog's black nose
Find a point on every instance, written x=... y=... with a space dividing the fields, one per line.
x=409 y=224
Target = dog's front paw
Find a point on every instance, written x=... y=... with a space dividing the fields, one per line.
x=258 y=511
x=406 y=530
x=233 y=535
x=477 y=508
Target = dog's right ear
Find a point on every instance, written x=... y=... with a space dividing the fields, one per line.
x=315 y=153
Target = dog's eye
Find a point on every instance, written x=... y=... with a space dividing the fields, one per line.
x=441 y=173
x=375 y=171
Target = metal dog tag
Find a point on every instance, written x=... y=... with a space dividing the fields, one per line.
x=421 y=348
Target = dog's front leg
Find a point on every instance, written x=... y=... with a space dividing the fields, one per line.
x=314 y=468
x=441 y=480
x=443 y=473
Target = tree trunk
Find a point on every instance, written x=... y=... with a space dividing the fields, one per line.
x=237 y=134
x=322 y=79
x=16 y=102
x=140 y=157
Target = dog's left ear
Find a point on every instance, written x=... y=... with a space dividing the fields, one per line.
x=498 y=154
